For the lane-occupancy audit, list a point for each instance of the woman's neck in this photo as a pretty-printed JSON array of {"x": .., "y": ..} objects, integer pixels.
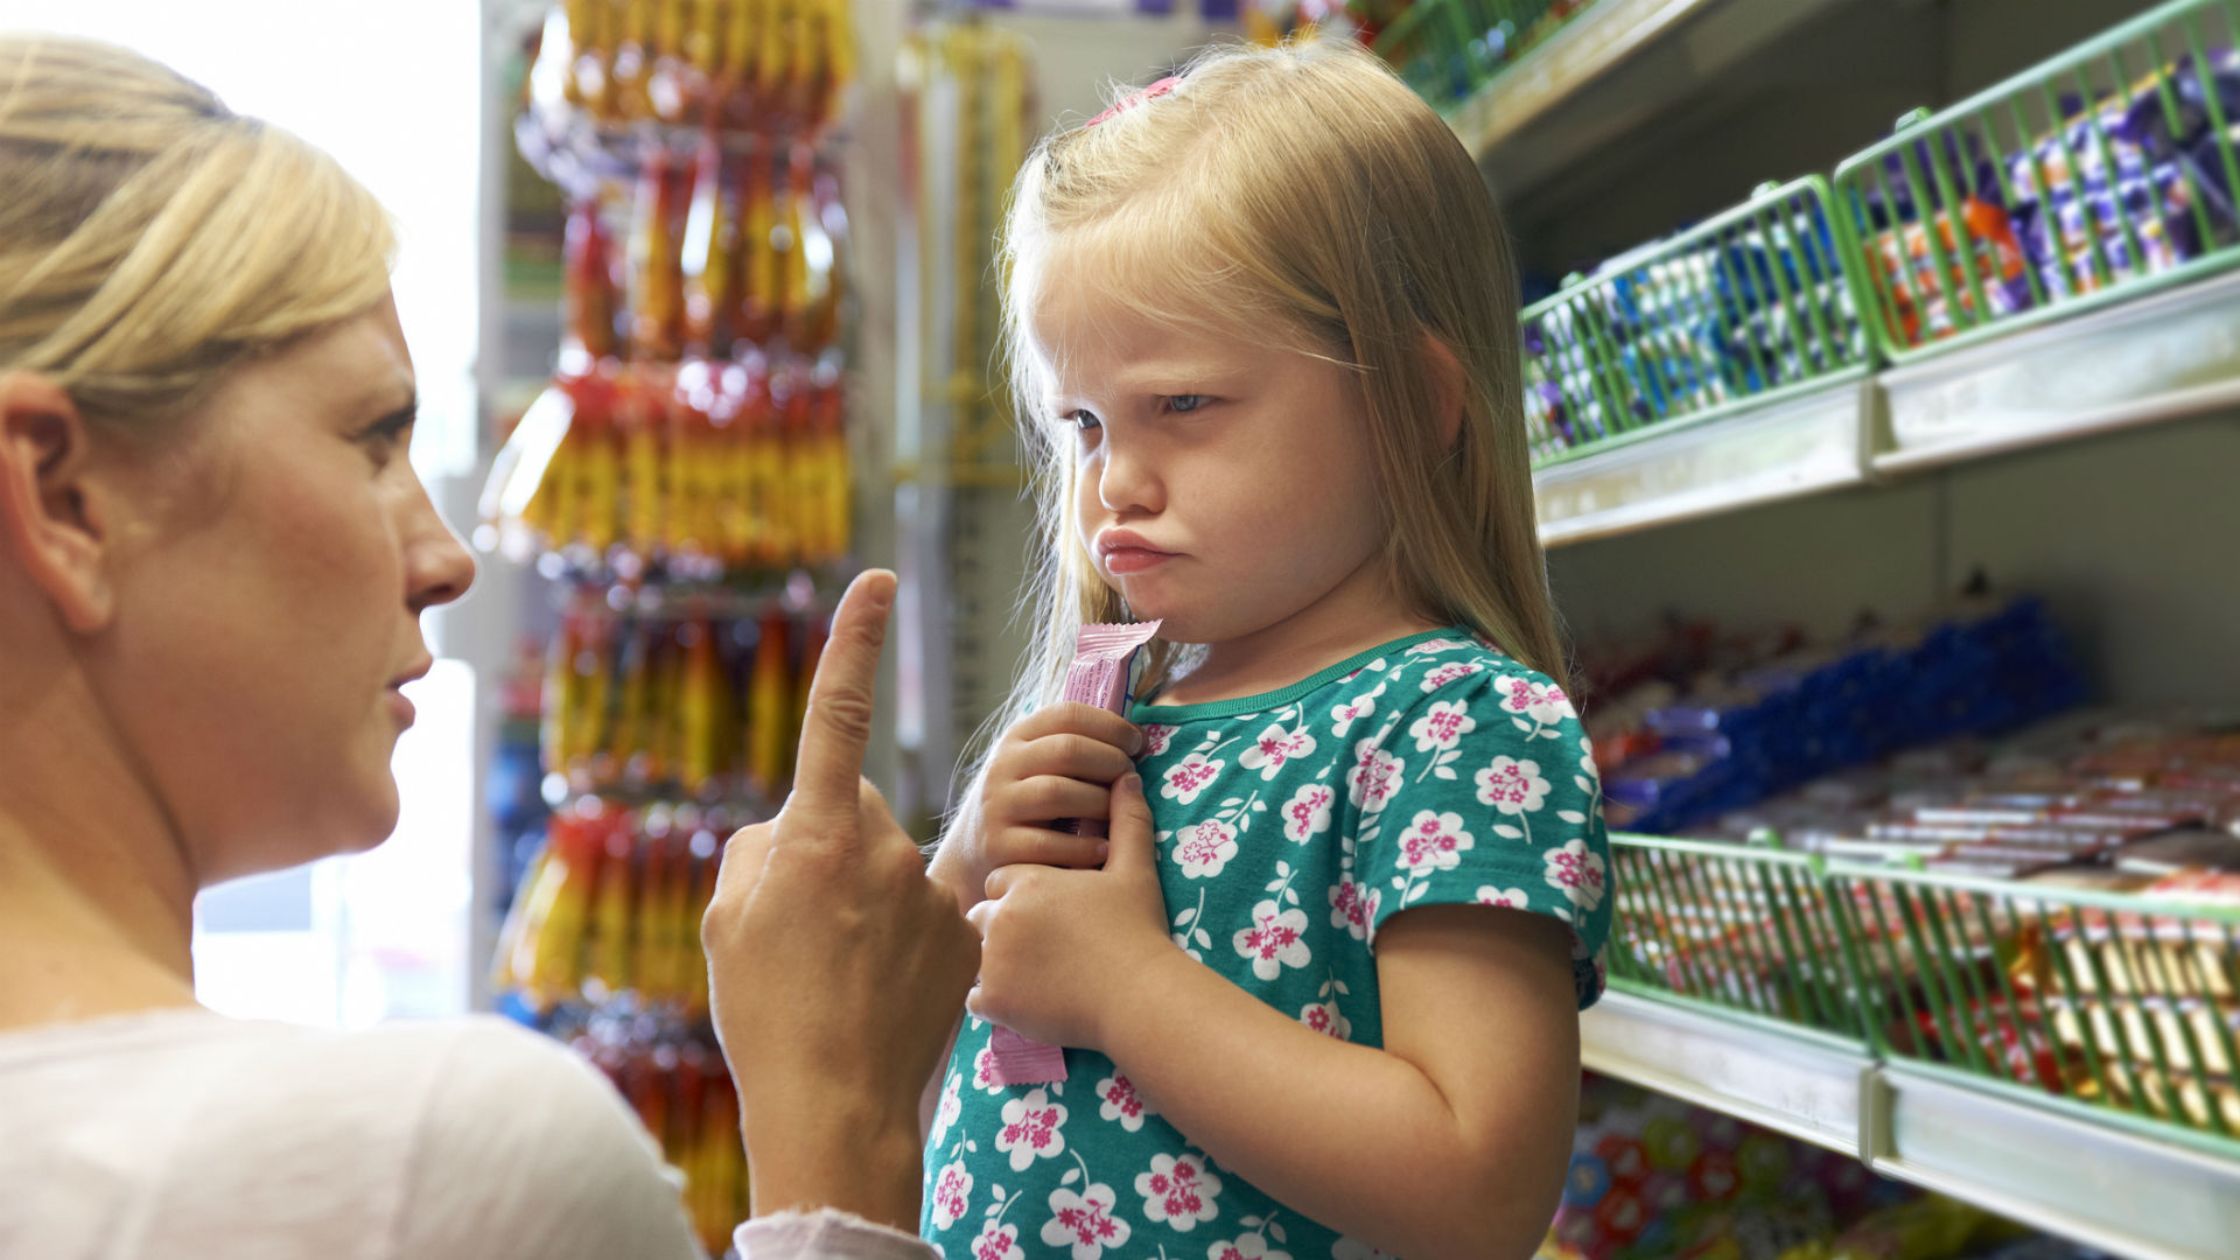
[
  {"x": 1359, "y": 613},
  {"x": 96, "y": 894}
]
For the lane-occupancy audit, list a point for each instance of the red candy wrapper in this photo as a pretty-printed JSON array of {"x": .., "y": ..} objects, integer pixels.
[{"x": 1098, "y": 675}]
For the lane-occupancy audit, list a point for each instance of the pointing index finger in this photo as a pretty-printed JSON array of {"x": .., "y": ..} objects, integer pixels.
[{"x": 837, "y": 726}]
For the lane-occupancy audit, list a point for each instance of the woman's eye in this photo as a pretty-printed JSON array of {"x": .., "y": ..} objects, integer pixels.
[
  {"x": 383, "y": 439},
  {"x": 1184, "y": 404}
]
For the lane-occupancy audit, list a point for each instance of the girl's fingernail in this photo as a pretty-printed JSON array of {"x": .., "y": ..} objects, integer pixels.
[
  {"x": 1132, "y": 782},
  {"x": 1103, "y": 851}
]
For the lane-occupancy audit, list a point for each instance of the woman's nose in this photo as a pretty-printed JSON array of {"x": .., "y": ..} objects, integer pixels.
[{"x": 438, "y": 567}]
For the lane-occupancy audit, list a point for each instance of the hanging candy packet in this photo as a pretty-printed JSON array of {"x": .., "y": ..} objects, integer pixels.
[{"x": 1098, "y": 675}]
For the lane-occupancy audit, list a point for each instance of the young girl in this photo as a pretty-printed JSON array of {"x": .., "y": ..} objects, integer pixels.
[{"x": 1320, "y": 999}]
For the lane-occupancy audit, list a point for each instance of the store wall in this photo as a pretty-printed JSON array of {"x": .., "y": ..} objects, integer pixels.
[{"x": 2134, "y": 540}]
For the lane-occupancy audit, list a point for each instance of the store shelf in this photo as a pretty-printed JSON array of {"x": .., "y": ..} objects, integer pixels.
[
  {"x": 2082, "y": 1178},
  {"x": 2166, "y": 356},
  {"x": 1586, "y": 48},
  {"x": 1785, "y": 449},
  {"x": 2132, "y": 1195},
  {"x": 1792, "y": 1085}
]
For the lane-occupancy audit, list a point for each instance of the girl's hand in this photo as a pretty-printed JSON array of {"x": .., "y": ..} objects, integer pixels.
[
  {"x": 1054, "y": 943},
  {"x": 1054, "y": 764}
]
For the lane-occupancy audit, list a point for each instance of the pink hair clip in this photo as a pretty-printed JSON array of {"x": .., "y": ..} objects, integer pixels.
[{"x": 1156, "y": 90}]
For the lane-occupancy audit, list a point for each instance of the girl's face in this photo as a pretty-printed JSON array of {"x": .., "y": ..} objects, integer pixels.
[
  {"x": 268, "y": 607},
  {"x": 1224, "y": 486}
]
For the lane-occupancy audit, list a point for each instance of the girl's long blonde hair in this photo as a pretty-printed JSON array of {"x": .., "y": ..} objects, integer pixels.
[
  {"x": 1301, "y": 194},
  {"x": 150, "y": 238}
]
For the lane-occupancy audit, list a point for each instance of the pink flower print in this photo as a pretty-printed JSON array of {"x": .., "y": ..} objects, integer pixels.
[
  {"x": 1275, "y": 747},
  {"x": 984, "y": 1071},
  {"x": 1156, "y": 738},
  {"x": 1179, "y": 1191},
  {"x": 1085, "y": 1222},
  {"x": 1442, "y": 726},
  {"x": 952, "y": 1194},
  {"x": 1203, "y": 849},
  {"x": 1032, "y": 1130},
  {"x": 1452, "y": 671},
  {"x": 1343, "y": 716},
  {"x": 1325, "y": 1018},
  {"x": 1577, "y": 872},
  {"x": 952, "y": 1106},
  {"x": 1121, "y": 1102},
  {"x": 1437, "y": 645},
  {"x": 1194, "y": 774},
  {"x": 1307, "y": 814},
  {"x": 1375, "y": 776},
  {"x": 1276, "y": 939},
  {"x": 1512, "y": 786},
  {"x": 1544, "y": 703},
  {"x": 1253, "y": 1246},
  {"x": 1433, "y": 842},
  {"x": 1354, "y": 907},
  {"x": 997, "y": 1242},
  {"x": 1508, "y": 898}
]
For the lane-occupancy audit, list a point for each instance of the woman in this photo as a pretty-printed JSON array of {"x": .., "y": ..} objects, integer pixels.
[{"x": 213, "y": 557}]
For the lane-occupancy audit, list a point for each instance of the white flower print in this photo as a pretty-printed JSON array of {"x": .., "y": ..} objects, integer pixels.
[
  {"x": 1509, "y": 898},
  {"x": 1192, "y": 775},
  {"x": 1343, "y": 716},
  {"x": 1512, "y": 786},
  {"x": 1544, "y": 703},
  {"x": 952, "y": 1106},
  {"x": 1586, "y": 758},
  {"x": 1452, "y": 671},
  {"x": 997, "y": 1242},
  {"x": 1179, "y": 1191},
  {"x": 1275, "y": 747},
  {"x": 1437, "y": 645},
  {"x": 1121, "y": 1102},
  {"x": 1032, "y": 1129},
  {"x": 1375, "y": 776},
  {"x": 1433, "y": 842},
  {"x": 1156, "y": 737},
  {"x": 952, "y": 1194},
  {"x": 1354, "y": 907},
  {"x": 1253, "y": 1246},
  {"x": 1307, "y": 814},
  {"x": 1577, "y": 872},
  {"x": 1442, "y": 726},
  {"x": 1085, "y": 1221},
  {"x": 1276, "y": 939},
  {"x": 1325, "y": 1018},
  {"x": 1203, "y": 849},
  {"x": 984, "y": 1071}
]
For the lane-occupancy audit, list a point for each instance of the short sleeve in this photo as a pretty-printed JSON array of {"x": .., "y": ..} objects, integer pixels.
[{"x": 1481, "y": 790}]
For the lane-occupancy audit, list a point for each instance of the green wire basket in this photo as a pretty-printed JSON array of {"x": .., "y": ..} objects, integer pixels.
[
  {"x": 1448, "y": 49},
  {"x": 1753, "y": 305},
  {"x": 2118, "y": 1007},
  {"x": 1742, "y": 931},
  {"x": 2107, "y": 172}
]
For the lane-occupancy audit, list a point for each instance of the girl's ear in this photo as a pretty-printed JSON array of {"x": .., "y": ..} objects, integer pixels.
[{"x": 1444, "y": 371}]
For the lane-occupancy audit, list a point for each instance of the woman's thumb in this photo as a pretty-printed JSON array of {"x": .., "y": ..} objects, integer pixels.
[{"x": 1130, "y": 833}]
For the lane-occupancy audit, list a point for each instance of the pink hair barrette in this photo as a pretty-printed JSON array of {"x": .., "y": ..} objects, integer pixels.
[{"x": 1133, "y": 99}]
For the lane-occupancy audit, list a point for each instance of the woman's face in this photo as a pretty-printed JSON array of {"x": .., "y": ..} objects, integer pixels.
[{"x": 268, "y": 606}]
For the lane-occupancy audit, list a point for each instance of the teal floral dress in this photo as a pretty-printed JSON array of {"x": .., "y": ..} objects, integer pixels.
[{"x": 1291, "y": 827}]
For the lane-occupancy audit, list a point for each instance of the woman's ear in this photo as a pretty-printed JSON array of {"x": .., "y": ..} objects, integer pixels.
[
  {"x": 52, "y": 523},
  {"x": 1444, "y": 371}
]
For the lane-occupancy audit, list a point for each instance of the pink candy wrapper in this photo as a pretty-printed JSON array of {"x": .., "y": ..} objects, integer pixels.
[{"x": 1098, "y": 676}]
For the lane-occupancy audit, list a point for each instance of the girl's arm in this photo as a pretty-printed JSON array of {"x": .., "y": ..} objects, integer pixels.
[{"x": 1452, "y": 1141}]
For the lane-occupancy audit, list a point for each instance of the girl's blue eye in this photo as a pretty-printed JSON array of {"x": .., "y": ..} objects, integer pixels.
[
  {"x": 1184, "y": 404},
  {"x": 1083, "y": 421}
]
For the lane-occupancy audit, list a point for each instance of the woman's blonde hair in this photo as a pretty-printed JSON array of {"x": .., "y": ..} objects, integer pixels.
[
  {"x": 1301, "y": 194},
  {"x": 150, "y": 238}
]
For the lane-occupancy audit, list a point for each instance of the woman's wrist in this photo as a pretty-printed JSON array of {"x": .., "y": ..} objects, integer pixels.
[{"x": 869, "y": 1168}]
